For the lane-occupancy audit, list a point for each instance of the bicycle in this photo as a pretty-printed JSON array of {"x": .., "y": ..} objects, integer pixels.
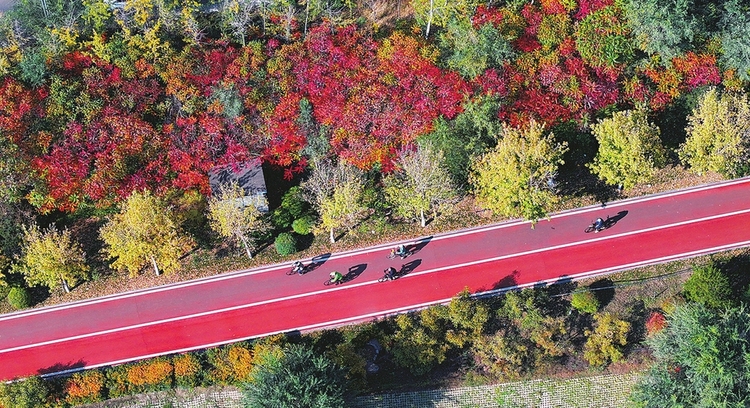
[
  {"x": 403, "y": 255},
  {"x": 332, "y": 281},
  {"x": 592, "y": 227},
  {"x": 388, "y": 275},
  {"x": 298, "y": 268}
]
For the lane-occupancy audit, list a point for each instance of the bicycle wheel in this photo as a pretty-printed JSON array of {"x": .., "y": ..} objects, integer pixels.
[
  {"x": 291, "y": 271},
  {"x": 383, "y": 279},
  {"x": 392, "y": 255},
  {"x": 590, "y": 228},
  {"x": 329, "y": 282}
]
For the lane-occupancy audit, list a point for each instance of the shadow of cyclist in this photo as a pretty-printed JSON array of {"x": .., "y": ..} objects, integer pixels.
[{"x": 611, "y": 221}]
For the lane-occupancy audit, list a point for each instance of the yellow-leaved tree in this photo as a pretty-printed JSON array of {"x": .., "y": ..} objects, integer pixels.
[
  {"x": 719, "y": 135},
  {"x": 232, "y": 217},
  {"x": 629, "y": 149},
  {"x": 420, "y": 184},
  {"x": 516, "y": 178},
  {"x": 50, "y": 257},
  {"x": 336, "y": 192},
  {"x": 144, "y": 233}
]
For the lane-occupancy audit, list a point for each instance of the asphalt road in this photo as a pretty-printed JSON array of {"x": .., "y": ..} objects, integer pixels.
[{"x": 262, "y": 301}]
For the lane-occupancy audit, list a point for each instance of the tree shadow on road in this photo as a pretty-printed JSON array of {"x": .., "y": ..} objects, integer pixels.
[{"x": 60, "y": 367}]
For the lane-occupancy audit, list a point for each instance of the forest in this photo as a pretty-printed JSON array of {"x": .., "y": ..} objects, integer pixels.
[{"x": 114, "y": 113}]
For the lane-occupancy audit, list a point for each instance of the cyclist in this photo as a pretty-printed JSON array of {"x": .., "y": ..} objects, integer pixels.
[
  {"x": 598, "y": 225},
  {"x": 390, "y": 273},
  {"x": 401, "y": 251},
  {"x": 337, "y": 277},
  {"x": 298, "y": 267}
]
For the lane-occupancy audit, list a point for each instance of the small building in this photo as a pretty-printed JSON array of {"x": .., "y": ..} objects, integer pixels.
[{"x": 249, "y": 175}]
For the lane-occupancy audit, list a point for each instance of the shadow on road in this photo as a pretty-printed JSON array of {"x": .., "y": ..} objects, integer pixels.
[
  {"x": 62, "y": 367},
  {"x": 506, "y": 282},
  {"x": 413, "y": 249},
  {"x": 354, "y": 272},
  {"x": 611, "y": 221},
  {"x": 317, "y": 261},
  {"x": 408, "y": 267}
]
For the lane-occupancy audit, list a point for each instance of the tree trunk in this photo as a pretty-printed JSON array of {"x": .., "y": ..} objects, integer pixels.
[
  {"x": 247, "y": 247},
  {"x": 429, "y": 19},
  {"x": 65, "y": 285},
  {"x": 156, "y": 268},
  {"x": 421, "y": 214},
  {"x": 333, "y": 239}
]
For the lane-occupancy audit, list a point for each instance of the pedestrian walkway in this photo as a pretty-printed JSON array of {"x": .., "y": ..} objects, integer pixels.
[{"x": 602, "y": 391}]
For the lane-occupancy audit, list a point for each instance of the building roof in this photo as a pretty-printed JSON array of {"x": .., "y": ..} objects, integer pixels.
[{"x": 249, "y": 175}]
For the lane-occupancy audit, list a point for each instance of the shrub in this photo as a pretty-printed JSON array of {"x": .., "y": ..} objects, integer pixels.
[
  {"x": 85, "y": 387},
  {"x": 298, "y": 377},
  {"x": 19, "y": 298},
  {"x": 655, "y": 323},
  {"x": 29, "y": 393},
  {"x": 187, "y": 370},
  {"x": 285, "y": 244},
  {"x": 231, "y": 364},
  {"x": 604, "y": 343},
  {"x": 304, "y": 225},
  {"x": 151, "y": 375},
  {"x": 294, "y": 202},
  {"x": 709, "y": 286},
  {"x": 585, "y": 301},
  {"x": 281, "y": 218},
  {"x": 117, "y": 382}
]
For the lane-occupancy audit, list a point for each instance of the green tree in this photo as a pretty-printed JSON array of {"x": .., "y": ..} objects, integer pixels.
[
  {"x": 295, "y": 377},
  {"x": 468, "y": 135},
  {"x": 420, "y": 184},
  {"x": 470, "y": 50},
  {"x": 605, "y": 342},
  {"x": 232, "y": 217},
  {"x": 602, "y": 38},
  {"x": 585, "y": 301},
  {"x": 702, "y": 360},
  {"x": 710, "y": 286},
  {"x": 514, "y": 179},
  {"x": 29, "y": 393},
  {"x": 719, "y": 134},
  {"x": 735, "y": 37},
  {"x": 468, "y": 318},
  {"x": 440, "y": 12},
  {"x": 419, "y": 342},
  {"x": 663, "y": 27},
  {"x": 629, "y": 149},
  {"x": 50, "y": 257},
  {"x": 143, "y": 233}
]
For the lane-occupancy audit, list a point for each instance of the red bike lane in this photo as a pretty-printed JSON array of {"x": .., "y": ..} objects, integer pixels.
[{"x": 268, "y": 301}]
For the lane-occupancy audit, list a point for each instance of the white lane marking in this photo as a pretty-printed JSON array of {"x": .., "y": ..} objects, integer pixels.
[
  {"x": 377, "y": 248},
  {"x": 363, "y": 317},
  {"x": 356, "y": 285}
]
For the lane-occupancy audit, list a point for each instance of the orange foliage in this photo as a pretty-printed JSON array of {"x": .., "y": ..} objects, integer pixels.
[
  {"x": 231, "y": 364},
  {"x": 84, "y": 387},
  {"x": 186, "y": 369},
  {"x": 151, "y": 374}
]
